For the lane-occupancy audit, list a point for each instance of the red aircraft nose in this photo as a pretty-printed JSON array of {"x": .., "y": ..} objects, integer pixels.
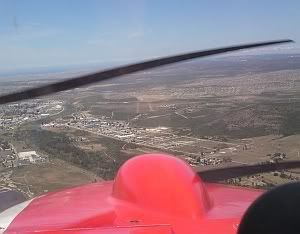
[
  {"x": 163, "y": 183},
  {"x": 151, "y": 194}
]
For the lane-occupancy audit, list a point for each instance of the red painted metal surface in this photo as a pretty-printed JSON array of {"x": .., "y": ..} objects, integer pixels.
[{"x": 150, "y": 194}]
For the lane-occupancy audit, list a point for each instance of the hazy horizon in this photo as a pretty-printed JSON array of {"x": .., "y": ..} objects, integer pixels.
[
  {"x": 72, "y": 70},
  {"x": 57, "y": 33}
]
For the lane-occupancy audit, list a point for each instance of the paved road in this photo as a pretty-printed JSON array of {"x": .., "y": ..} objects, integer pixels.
[{"x": 9, "y": 198}]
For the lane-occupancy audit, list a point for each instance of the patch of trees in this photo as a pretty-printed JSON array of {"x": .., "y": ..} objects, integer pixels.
[
  {"x": 291, "y": 124},
  {"x": 61, "y": 146}
]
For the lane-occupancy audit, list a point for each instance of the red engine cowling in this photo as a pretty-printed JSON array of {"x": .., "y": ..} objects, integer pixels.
[{"x": 162, "y": 183}]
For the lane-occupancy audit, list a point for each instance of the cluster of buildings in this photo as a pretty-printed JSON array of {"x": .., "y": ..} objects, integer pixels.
[
  {"x": 254, "y": 181},
  {"x": 160, "y": 137},
  {"x": 12, "y": 115},
  {"x": 204, "y": 161},
  {"x": 276, "y": 157},
  {"x": 10, "y": 158},
  {"x": 30, "y": 157}
]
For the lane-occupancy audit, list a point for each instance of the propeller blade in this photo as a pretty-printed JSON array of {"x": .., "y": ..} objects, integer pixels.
[
  {"x": 123, "y": 70},
  {"x": 219, "y": 174}
]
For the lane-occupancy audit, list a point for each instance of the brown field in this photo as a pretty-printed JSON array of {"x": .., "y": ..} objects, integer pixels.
[
  {"x": 259, "y": 147},
  {"x": 52, "y": 176},
  {"x": 92, "y": 147}
]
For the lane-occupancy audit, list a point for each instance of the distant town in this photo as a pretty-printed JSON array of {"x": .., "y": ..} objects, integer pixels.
[
  {"x": 159, "y": 137},
  {"x": 13, "y": 115}
]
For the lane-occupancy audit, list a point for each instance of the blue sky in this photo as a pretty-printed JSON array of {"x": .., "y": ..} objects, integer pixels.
[{"x": 36, "y": 33}]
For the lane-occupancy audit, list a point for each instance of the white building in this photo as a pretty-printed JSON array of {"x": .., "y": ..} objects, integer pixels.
[{"x": 32, "y": 156}]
